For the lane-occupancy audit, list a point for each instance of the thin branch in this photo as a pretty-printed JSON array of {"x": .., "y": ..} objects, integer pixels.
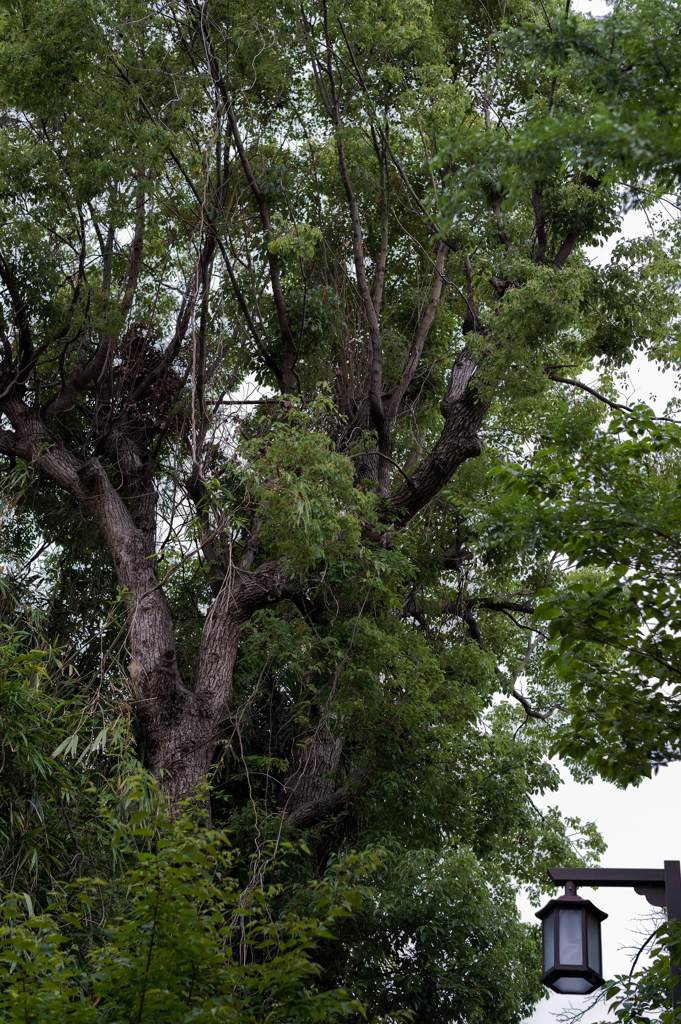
[
  {"x": 532, "y": 712},
  {"x": 421, "y": 334},
  {"x": 363, "y": 455},
  {"x": 539, "y": 225},
  {"x": 591, "y": 391}
]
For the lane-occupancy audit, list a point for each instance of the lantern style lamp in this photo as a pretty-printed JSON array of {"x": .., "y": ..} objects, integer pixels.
[{"x": 571, "y": 943}]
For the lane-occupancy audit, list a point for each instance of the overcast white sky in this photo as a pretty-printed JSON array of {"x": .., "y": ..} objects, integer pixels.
[{"x": 642, "y": 826}]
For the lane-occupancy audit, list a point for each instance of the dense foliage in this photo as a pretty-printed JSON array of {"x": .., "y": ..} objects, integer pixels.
[{"x": 317, "y": 546}]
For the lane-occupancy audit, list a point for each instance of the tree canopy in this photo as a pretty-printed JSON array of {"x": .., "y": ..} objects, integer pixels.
[{"x": 317, "y": 544}]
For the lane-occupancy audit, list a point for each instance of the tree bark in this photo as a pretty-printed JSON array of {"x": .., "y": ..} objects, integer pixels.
[
  {"x": 464, "y": 411},
  {"x": 176, "y": 723},
  {"x": 315, "y": 757},
  {"x": 180, "y": 724}
]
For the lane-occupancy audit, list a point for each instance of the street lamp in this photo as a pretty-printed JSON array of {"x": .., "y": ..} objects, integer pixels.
[
  {"x": 571, "y": 926},
  {"x": 571, "y": 943}
]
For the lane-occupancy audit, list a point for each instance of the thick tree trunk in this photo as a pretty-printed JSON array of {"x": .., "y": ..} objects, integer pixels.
[
  {"x": 315, "y": 757},
  {"x": 176, "y": 725},
  {"x": 186, "y": 726},
  {"x": 464, "y": 412},
  {"x": 181, "y": 726}
]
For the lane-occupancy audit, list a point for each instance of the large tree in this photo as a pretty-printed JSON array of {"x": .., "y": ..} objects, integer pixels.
[
  {"x": 193, "y": 195},
  {"x": 280, "y": 287}
]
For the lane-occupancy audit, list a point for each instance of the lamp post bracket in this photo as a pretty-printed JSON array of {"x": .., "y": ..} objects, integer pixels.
[{"x": 610, "y": 877}]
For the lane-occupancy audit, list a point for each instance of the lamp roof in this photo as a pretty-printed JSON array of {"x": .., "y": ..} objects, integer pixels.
[{"x": 573, "y": 903}]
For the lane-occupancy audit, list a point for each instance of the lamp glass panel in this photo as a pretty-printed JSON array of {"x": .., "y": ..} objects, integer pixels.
[
  {"x": 572, "y": 985},
  {"x": 549, "y": 941},
  {"x": 593, "y": 944},
  {"x": 570, "y": 941}
]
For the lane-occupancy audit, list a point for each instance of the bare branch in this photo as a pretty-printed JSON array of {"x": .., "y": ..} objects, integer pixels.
[
  {"x": 585, "y": 387},
  {"x": 421, "y": 334},
  {"x": 539, "y": 225},
  {"x": 464, "y": 412},
  {"x": 136, "y": 248},
  {"x": 289, "y": 346},
  {"x": 532, "y": 712},
  {"x": 334, "y": 803},
  {"x": 68, "y": 396},
  {"x": 561, "y": 257},
  {"x": 20, "y": 310},
  {"x": 383, "y": 253}
]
